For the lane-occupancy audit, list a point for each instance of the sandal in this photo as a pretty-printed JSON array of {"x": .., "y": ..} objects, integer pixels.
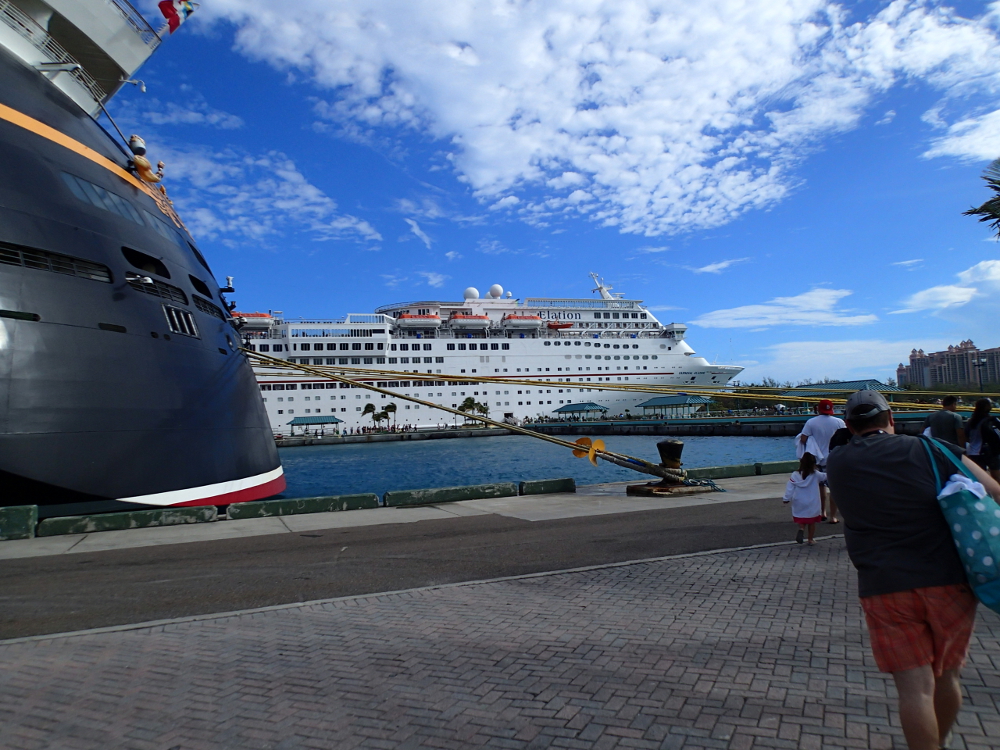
[{"x": 833, "y": 520}]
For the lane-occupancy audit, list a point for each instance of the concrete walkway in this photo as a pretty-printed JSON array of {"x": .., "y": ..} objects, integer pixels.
[
  {"x": 759, "y": 648},
  {"x": 591, "y": 500}
]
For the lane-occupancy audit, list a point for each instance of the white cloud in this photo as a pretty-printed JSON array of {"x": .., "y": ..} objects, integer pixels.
[
  {"x": 425, "y": 208},
  {"x": 420, "y": 233},
  {"x": 452, "y": 255},
  {"x": 238, "y": 197},
  {"x": 433, "y": 279},
  {"x": 937, "y": 298},
  {"x": 718, "y": 267},
  {"x": 194, "y": 111},
  {"x": 492, "y": 247},
  {"x": 814, "y": 308},
  {"x": 846, "y": 360},
  {"x": 647, "y": 116},
  {"x": 984, "y": 271},
  {"x": 651, "y": 249},
  {"x": 887, "y": 117},
  {"x": 972, "y": 139},
  {"x": 985, "y": 275},
  {"x": 909, "y": 265}
]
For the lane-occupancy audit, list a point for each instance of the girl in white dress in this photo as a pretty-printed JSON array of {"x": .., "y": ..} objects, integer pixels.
[{"x": 803, "y": 492}]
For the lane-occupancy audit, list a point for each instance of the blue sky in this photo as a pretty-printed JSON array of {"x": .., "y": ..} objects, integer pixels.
[{"x": 786, "y": 178}]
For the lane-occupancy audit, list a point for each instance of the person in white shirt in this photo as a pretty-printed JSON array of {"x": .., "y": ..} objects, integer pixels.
[
  {"x": 803, "y": 492},
  {"x": 821, "y": 428}
]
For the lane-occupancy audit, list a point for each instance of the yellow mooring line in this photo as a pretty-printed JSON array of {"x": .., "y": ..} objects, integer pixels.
[{"x": 583, "y": 447}]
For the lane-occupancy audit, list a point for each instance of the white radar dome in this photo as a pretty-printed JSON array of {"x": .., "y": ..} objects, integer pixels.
[
  {"x": 496, "y": 291},
  {"x": 509, "y": 295},
  {"x": 471, "y": 293}
]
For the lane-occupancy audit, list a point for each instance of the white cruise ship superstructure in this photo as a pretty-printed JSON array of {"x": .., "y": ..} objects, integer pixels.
[{"x": 565, "y": 347}]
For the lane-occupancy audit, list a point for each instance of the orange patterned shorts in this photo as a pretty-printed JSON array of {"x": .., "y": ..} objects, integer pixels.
[{"x": 910, "y": 629}]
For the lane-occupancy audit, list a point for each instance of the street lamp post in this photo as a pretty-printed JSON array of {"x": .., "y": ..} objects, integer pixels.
[{"x": 979, "y": 363}]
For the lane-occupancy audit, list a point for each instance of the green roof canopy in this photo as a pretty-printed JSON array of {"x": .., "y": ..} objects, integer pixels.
[
  {"x": 571, "y": 408},
  {"x": 680, "y": 400},
  {"x": 314, "y": 420},
  {"x": 842, "y": 388}
]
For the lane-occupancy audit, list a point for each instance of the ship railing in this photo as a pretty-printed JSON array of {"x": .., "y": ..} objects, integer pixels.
[
  {"x": 542, "y": 333},
  {"x": 51, "y": 50},
  {"x": 138, "y": 23}
]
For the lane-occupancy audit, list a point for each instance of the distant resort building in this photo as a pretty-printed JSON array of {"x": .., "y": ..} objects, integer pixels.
[{"x": 961, "y": 365}]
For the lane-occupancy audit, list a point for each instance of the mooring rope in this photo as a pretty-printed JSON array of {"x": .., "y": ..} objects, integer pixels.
[{"x": 593, "y": 449}]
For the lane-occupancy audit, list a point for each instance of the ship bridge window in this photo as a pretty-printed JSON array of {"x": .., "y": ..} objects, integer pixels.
[
  {"x": 505, "y": 347},
  {"x": 103, "y": 199},
  {"x": 642, "y": 316},
  {"x": 461, "y": 347},
  {"x": 404, "y": 347},
  {"x": 146, "y": 263},
  {"x": 495, "y": 347},
  {"x": 427, "y": 347},
  {"x": 344, "y": 347},
  {"x": 200, "y": 286},
  {"x": 450, "y": 347},
  {"x": 17, "y": 255}
]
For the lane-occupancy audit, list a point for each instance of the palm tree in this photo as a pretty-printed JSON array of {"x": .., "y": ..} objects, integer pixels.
[
  {"x": 468, "y": 405},
  {"x": 990, "y": 210},
  {"x": 380, "y": 416},
  {"x": 390, "y": 408},
  {"x": 369, "y": 409},
  {"x": 483, "y": 408}
]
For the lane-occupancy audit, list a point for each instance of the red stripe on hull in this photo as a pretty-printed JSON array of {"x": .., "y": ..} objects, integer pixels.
[{"x": 259, "y": 492}]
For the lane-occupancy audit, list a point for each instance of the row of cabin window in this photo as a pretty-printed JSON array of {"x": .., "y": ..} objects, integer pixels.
[
  {"x": 588, "y": 343},
  {"x": 614, "y": 316},
  {"x": 483, "y": 347}
]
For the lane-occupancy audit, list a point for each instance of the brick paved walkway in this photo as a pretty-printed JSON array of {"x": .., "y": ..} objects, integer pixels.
[{"x": 759, "y": 648}]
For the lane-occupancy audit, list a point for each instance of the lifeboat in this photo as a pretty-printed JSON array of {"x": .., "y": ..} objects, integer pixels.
[
  {"x": 559, "y": 326},
  {"x": 467, "y": 320},
  {"x": 418, "y": 321},
  {"x": 522, "y": 322}
]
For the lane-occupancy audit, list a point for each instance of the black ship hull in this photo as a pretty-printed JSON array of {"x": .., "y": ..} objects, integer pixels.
[{"x": 121, "y": 383}]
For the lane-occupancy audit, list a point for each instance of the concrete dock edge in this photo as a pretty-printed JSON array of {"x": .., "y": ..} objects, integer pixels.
[
  {"x": 450, "y": 494},
  {"x": 297, "y": 505},
  {"x": 18, "y": 522},
  {"x": 547, "y": 486},
  {"x": 136, "y": 519}
]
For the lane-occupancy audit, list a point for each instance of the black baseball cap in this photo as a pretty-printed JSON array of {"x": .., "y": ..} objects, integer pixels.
[{"x": 865, "y": 405}]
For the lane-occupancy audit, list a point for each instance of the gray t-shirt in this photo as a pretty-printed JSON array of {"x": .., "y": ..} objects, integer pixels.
[
  {"x": 944, "y": 425},
  {"x": 896, "y": 535}
]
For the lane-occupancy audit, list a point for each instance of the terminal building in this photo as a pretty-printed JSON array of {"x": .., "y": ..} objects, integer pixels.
[{"x": 960, "y": 365}]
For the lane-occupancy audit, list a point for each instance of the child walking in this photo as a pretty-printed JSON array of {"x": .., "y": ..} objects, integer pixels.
[{"x": 803, "y": 492}]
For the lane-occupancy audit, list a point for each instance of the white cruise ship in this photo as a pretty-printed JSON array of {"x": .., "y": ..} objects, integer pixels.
[{"x": 565, "y": 347}]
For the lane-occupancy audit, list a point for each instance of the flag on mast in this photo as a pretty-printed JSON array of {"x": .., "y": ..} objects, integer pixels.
[{"x": 176, "y": 12}]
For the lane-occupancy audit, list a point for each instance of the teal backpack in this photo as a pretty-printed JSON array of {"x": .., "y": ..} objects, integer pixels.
[{"x": 975, "y": 526}]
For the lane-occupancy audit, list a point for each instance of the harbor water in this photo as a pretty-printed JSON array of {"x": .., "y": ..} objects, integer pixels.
[{"x": 379, "y": 467}]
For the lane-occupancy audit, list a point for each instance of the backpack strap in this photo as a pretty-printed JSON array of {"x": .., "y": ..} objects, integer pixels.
[
  {"x": 962, "y": 468},
  {"x": 930, "y": 455}
]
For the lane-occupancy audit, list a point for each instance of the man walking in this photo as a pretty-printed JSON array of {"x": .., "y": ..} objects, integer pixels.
[
  {"x": 821, "y": 428},
  {"x": 918, "y": 606},
  {"x": 945, "y": 424}
]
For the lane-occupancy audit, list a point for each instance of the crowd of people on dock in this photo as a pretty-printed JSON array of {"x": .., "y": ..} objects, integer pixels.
[{"x": 922, "y": 528}]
